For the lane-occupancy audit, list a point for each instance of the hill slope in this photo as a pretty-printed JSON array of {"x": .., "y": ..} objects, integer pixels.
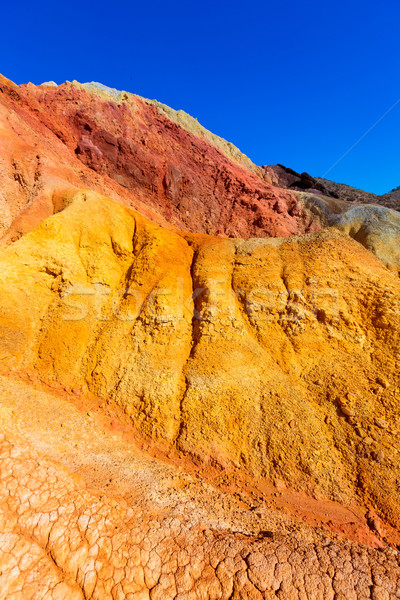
[
  {"x": 186, "y": 415},
  {"x": 135, "y": 152}
]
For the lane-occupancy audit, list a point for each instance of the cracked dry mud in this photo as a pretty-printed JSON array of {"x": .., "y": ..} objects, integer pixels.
[{"x": 64, "y": 537}]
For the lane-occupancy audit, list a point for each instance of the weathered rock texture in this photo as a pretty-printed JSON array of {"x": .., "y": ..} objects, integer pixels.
[
  {"x": 287, "y": 178},
  {"x": 364, "y": 217},
  {"x": 351, "y": 194},
  {"x": 345, "y": 192},
  {"x": 136, "y": 152},
  {"x": 84, "y": 514},
  {"x": 182, "y": 415},
  {"x": 214, "y": 346},
  {"x": 376, "y": 227}
]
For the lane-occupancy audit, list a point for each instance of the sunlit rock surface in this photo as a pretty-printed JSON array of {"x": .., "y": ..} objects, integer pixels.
[
  {"x": 137, "y": 152},
  {"x": 185, "y": 415}
]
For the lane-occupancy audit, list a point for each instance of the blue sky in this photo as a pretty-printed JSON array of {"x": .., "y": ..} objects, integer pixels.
[{"x": 291, "y": 82}]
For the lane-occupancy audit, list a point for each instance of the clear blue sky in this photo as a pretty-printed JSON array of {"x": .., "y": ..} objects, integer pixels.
[{"x": 290, "y": 82}]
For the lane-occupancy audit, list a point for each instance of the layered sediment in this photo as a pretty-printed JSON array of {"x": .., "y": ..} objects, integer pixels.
[{"x": 135, "y": 152}]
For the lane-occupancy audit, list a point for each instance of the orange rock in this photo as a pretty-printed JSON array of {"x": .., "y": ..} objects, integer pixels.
[
  {"x": 209, "y": 344},
  {"x": 155, "y": 381}
]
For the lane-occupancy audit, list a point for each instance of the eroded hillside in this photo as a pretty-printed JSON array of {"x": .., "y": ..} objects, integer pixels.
[
  {"x": 185, "y": 415},
  {"x": 133, "y": 151}
]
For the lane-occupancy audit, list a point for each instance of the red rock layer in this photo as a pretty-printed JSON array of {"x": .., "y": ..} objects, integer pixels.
[{"x": 134, "y": 153}]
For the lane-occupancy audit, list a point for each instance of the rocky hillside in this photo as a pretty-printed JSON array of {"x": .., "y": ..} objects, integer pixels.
[
  {"x": 391, "y": 199},
  {"x": 136, "y": 152},
  {"x": 188, "y": 415},
  {"x": 346, "y": 192},
  {"x": 286, "y": 178}
]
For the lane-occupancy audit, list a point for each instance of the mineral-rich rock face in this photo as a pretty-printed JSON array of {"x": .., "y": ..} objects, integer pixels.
[
  {"x": 222, "y": 350},
  {"x": 365, "y": 217},
  {"x": 137, "y": 153},
  {"x": 183, "y": 415},
  {"x": 375, "y": 227},
  {"x": 262, "y": 360}
]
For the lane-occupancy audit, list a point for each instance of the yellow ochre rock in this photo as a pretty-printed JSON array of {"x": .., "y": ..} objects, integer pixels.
[{"x": 264, "y": 356}]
